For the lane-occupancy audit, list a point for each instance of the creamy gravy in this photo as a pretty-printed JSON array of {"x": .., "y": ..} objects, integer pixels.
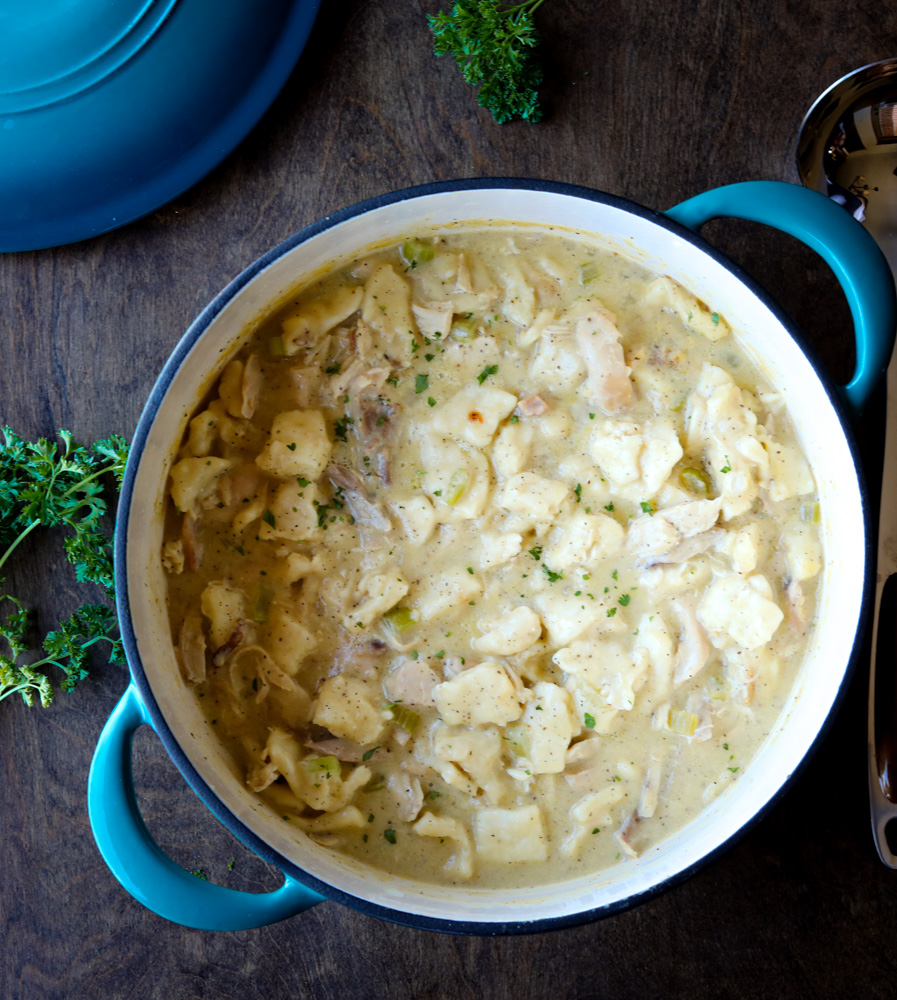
[{"x": 491, "y": 558}]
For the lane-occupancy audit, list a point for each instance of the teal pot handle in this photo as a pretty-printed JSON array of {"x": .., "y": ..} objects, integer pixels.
[
  {"x": 839, "y": 239},
  {"x": 135, "y": 859}
]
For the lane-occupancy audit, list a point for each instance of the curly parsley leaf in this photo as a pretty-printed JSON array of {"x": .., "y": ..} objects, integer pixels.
[
  {"x": 43, "y": 485},
  {"x": 494, "y": 46}
]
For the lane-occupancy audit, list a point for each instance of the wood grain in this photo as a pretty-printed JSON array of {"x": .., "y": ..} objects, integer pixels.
[{"x": 647, "y": 99}]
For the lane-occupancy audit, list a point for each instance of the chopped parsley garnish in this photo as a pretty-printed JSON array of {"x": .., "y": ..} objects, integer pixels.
[
  {"x": 333, "y": 369},
  {"x": 486, "y": 372},
  {"x": 727, "y": 467},
  {"x": 611, "y": 612},
  {"x": 431, "y": 401},
  {"x": 646, "y": 507},
  {"x": 268, "y": 518},
  {"x": 390, "y": 835},
  {"x": 341, "y": 427},
  {"x": 367, "y": 756},
  {"x": 578, "y": 492},
  {"x": 536, "y": 552},
  {"x": 421, "y": 382},
  {"x": 624, "y": 600},
  {"x": 552, "y": 576},
  {"x": 589, "y": 721}
]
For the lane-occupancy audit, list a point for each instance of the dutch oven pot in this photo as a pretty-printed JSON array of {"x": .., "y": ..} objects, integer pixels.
[{"x": 666, "y": 243}]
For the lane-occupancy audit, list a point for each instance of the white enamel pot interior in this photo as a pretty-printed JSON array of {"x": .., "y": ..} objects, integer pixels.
[{"x": 662, "y": 246}]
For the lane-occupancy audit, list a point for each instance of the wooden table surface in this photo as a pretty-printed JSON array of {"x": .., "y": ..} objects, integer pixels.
[{"x": 648, "y": 99}]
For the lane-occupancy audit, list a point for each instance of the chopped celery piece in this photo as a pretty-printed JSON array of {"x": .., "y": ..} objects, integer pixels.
[
  {"x": 518, "y": 740},
  {"x": 465, "y": 328},
  {"x": 405, "y": 717},
  {"x": 401, "y": 619},
  {"x": 457, "y": 485},
  {"x": 809, "y": 512},
  {"x": 716, "y": 689},
  {"x": 588, "y": 272},
  {"x": 416, "y": 252},
  {"x": 275, "y": 346},
  {"x": 317, "y": 766},
  {"x": 684, "y": 723},
  {"x": 696, "y": 481},
  {"x": 262, "y": 605}
]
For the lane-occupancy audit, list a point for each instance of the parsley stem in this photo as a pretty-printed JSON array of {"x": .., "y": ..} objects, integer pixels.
[
  {"x": 88, "y": 479},
  {"x": 533, "y": 6},
  {"x": 19, "y": 687},
  {"x": 15, "y": 542}
]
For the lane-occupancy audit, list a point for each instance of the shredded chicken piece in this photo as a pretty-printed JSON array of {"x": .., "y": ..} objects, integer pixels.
[
  {"x": 694, "y": 647},
  {"x": 608, "y": 382},
  {"x": 688, "y": 548},
  {"x": 263, "y": 775},
  {"x": 412, "y": 683},
  {"x": 627, "y": 831},
  {"x": 361, "y": 341},
  {"x": 251, "y": 386},
  {"x": 452, "y": 666},
  {"x": 796, "y": 603},
  {"x": 192, "y": 649},
  {"x": 409, "y": 796},
  {"x": 221, "y": 654},
  {"x": 359, "y": 659},
  {"x": 523, "y": 694},
  {"x": 651, "y": 789},
  {"x": 435, "y": 319},
  {"x": 192, "y": 547},
  {"x": 580, "y": 754},
  {"x": 265, "y": 669},
  {"x": 342, "y": 749},
  {"x": 364, "y": 511},
  {"x": 373, "y": 415},
  {"x": 339, "y": 383}
]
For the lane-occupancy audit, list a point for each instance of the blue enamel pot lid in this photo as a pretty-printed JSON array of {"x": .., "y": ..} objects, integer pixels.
[{"x": 111, "y": 108}]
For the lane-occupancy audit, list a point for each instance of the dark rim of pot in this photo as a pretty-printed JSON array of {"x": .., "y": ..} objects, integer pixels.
[{"x": 180, "y": 758}]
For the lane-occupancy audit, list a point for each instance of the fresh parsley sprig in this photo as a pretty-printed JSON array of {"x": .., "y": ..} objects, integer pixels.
[
  {"x": 42, "y": 485},
  {"x": 494, "y": 47}
]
